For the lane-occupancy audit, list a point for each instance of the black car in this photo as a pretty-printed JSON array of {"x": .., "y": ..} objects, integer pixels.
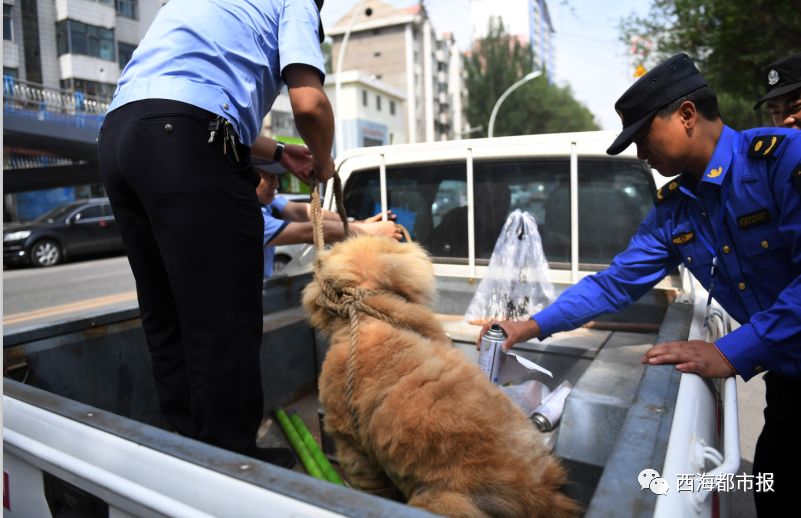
[{"x": 77, "y": 227}]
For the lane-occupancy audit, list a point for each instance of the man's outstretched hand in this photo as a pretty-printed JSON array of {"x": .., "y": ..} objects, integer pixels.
[
  {"x": 697, "y": 356},
  {"x": 516, "y": 331}
]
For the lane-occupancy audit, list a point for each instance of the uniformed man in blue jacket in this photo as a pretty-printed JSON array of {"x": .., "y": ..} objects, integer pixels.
[
  {"x": 783, "y": 96},
  {"x": 733, "y": 217}
]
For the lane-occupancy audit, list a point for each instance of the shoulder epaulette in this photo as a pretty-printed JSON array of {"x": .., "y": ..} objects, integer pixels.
[
  {"x": 666, "y": 191},
  {"x": 764, "y": 146}
]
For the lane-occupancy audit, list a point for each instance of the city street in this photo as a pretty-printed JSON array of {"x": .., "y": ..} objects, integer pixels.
[{"x": 34, "y": 295}]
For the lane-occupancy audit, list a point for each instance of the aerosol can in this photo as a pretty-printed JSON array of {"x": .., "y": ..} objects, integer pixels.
[
  {"x": 491, "y": 353},
  {"x": 548, "y": 414}
]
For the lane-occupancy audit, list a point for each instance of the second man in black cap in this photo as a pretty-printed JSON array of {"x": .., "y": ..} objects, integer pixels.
[
  {"x": 783, "y": 97},
  {"x": 733, "y": 218}
]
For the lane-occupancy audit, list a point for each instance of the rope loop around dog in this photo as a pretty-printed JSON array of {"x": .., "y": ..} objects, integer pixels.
[{"x": 345, "y": 302}]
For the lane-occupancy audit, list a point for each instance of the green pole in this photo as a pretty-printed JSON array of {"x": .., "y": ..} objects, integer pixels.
[
  {"x": 297, "y": 444},
  {"x": 326, "y": 467}
]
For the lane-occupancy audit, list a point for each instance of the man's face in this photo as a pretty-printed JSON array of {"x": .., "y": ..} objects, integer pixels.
[
  {"x": 663, "y": 143},
  {"x": 268, "y": 186},
  {"x": 785, "y": 111}
]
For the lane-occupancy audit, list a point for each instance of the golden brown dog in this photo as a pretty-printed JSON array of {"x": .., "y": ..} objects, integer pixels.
[{"x": 432, "y": 429}]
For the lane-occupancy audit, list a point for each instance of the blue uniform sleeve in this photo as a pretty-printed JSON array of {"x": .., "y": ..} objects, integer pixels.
[
  {"x": 647, "y": 260},
  {"x": 272, "y": 225},
  {"x": 298, "y": 41},
  {"x": 771, "y": 340}
]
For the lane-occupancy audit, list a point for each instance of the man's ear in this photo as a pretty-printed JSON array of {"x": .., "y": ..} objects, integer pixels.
[{"x": 688, "y": 114}]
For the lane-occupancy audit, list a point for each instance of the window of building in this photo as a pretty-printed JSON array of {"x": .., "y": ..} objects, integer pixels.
[
  {"x": 392, "y": 107},
  {"x": 378, "y": 102},
  {"x": 10, "y": 72},
  {"x": 88, "y": 87},
  {"x": 364, "y": 97},
  {"x": 7, "y": 32},
  {"x": 124, "y": 53},
  {"x": 74, "y": 37},
  {"x": 127, "y": 8}
]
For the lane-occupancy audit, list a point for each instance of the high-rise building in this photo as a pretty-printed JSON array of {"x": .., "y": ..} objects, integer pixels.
[
  {"x": 528, "y": 20},
  {"x": 399, "y": 47},
  {"x": 61, "y": 63},
  {"x": 73, "y": 44}
]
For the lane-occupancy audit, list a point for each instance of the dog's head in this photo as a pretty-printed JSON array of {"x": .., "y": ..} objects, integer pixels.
[{"x": 372, "y": 263}]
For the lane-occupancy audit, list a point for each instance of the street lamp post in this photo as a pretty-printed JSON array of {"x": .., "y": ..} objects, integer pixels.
[
  {"x": 527, "y": 77},
  {"x": 337, "y": 86}
]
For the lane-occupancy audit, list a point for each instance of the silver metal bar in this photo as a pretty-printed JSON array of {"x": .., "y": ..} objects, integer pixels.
[
  {"x": 574, "y": 214},
  {"x": 471, "y": 211},
  {"x": 382, "y": 175}
]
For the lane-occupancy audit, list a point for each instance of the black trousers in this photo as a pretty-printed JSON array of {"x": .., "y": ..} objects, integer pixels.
[
  {"x": 192, "y": 229},
  {"x": 778, "y": 450}
]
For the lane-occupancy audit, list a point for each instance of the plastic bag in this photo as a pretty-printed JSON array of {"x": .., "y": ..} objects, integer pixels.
[
  {"x": 527, "y": 396},
  {"x": 517, "y": 283}
]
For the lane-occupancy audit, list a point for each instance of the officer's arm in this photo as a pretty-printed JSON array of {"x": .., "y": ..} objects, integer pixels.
[
  {"x": 771, "y": 340},
  {"x": 314, "y": 117},
  {"x": 647, "y": 260}
]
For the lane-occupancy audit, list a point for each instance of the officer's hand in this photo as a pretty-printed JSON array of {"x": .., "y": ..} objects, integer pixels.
[
  {"x": 324, "y": 168},
  {"x": 377, "y": 217},
  {"x": 516, "y": 331},
  {"x": 702, "y": 358},
  {"x": 298, "y": 161},
  {"x": 378, "y": 228}
]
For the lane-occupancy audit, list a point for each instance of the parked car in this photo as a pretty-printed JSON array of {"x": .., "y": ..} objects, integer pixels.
[
  {"x": 285, "y": 253},
  {"x": 75, "y": 228}
]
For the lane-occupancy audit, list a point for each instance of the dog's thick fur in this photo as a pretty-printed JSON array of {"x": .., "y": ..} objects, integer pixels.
[{"x": 433, "y": 430}]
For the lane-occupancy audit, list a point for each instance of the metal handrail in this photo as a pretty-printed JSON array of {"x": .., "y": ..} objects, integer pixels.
[{"x": 33, "y": 96}]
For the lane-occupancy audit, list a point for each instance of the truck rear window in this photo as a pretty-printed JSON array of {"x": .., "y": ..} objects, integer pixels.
[{"x": 430, "y": 200}]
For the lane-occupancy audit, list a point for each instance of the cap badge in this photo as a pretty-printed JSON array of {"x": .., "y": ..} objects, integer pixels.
[
  {"x": 714, "y": 173},
  {"x": 773, "y": 77}
]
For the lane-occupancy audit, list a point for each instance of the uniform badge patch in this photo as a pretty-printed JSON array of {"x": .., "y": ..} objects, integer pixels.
[
  {"x": 666, "y": 191},
  {"x": 773, "y": 77},
  {"x": 753, "y": 219},
  {"x": 684, "y": 237},
  {"x": 714, "y": 173},
  {"x": 764, "y": 146}
]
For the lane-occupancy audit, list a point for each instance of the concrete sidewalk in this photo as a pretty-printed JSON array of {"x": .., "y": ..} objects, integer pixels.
[{"x": 750, "y": 404}]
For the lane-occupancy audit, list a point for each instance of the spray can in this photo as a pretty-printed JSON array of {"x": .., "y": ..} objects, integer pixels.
[
  {"x": 547, "y": 415},
  {"x": 491, "y": 352}
]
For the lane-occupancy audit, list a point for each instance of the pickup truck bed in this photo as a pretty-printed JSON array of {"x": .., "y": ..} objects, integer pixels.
[{"x": 92, "y": 376}]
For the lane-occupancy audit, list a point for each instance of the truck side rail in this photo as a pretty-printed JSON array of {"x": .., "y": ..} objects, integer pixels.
[{"x": 105, "y": 455}]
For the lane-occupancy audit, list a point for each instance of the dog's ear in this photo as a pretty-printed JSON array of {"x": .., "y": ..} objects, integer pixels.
[
  {"x": 407, "y": 270},
  {"x": 371, "y": 263}
]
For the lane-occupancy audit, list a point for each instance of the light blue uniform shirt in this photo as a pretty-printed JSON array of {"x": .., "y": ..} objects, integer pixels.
[
  {"x": 746, "y": 210},
  {"x": 272, "y": 227},
  {"x": 225, "y": 56}
]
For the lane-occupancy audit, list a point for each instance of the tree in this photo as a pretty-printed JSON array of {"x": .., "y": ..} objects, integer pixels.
[
  {"x": 731, "y": 41},
  {"x": 498, "y": 61}
]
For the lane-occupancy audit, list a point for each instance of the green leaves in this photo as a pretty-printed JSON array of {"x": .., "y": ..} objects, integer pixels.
[
  {"x": 498, "y": 61},
  {"x": 731, "y": 41}
]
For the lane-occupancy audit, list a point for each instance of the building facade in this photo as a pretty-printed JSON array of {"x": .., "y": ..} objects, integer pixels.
[
  {"x": 371, "y": 111},
  {"x": 61, "y": 62},
  {"x": 528, "y": 20},
  {"x": 78, "y": 45},
  {"x": 400, "y": 48}
]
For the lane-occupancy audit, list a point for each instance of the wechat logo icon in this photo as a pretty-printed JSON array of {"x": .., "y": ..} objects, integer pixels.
[{"x": 650, "y": 479}]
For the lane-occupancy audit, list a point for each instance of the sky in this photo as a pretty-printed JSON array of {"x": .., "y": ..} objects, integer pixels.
[{"x": 589, "y": 55}]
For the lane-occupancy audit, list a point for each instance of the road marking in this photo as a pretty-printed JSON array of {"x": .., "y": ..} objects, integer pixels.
[{"x": 69, "y": 308}]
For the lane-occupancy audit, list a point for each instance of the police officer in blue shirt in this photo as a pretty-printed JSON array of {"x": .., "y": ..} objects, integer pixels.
[
  {"x": 174, "y": 154},
  {"x": 733, "y": 218}
]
